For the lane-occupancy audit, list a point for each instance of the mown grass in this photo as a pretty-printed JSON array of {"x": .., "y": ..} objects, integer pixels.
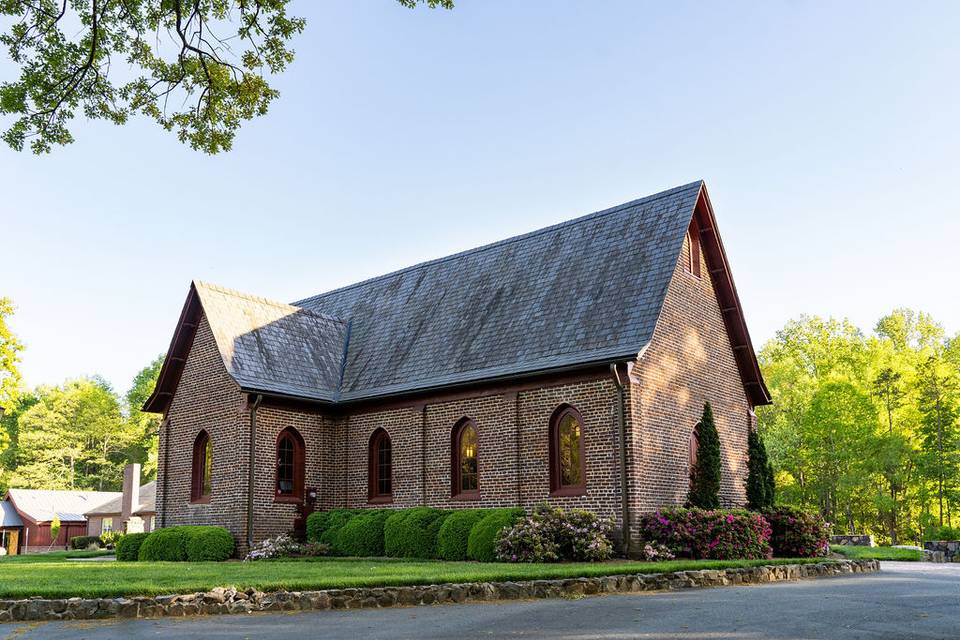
[
  {"x": 58, "y": 577},
  {"x": 876, "y": 553},
  {"x": 55, "y": 556}
]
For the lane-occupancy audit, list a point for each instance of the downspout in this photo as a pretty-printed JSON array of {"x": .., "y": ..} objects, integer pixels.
[
  {"x": 165, "y": 428},
  {"x": 622, "y": 424},
  {"x": 251, "y": 464}
]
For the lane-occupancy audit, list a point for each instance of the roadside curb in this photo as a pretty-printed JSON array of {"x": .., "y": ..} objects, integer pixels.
[{"x": 224, "y": 600}]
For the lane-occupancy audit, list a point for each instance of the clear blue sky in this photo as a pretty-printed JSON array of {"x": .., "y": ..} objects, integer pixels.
[{"x": 827, "y": 133}]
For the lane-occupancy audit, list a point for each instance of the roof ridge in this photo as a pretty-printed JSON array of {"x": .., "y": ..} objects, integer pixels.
[
  {"x": 265, "y": 301},
  {"x": 530, "y": 234}
]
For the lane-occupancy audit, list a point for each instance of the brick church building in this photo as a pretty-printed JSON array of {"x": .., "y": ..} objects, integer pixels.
[{"x": 567, "y": 365}]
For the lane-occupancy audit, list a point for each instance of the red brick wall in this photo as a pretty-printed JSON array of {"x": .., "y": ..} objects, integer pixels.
[
  {"x": 689, "y": 361},
  {"x": 206, "y": 398}
]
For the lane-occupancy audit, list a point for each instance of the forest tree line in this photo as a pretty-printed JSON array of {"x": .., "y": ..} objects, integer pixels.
[
  {"x": 865, "y": 428},
  {"x": 76, "y": 435}
]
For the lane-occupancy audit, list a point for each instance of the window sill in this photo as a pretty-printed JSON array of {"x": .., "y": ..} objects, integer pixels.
[
  {"x": 380, "y": 500},
  {"x": 288, "y": 499},
  {"x": 466, "y": 496},
  {"x": 203, "y": 500},
  {"x": 569, "y": 491}
]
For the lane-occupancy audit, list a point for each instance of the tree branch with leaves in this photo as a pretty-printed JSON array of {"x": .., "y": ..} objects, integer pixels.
[{"x": 198, "y": 68}]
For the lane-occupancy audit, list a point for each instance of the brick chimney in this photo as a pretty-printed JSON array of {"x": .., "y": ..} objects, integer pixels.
[{"x": 131, "y": 491}]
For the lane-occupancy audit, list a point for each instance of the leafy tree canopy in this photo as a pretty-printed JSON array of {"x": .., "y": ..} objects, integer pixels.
[
  {"x": 10, "y": 349},
  {"x": 196, "y": 67}
]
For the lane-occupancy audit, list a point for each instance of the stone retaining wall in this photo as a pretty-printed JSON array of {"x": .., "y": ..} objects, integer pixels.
[
  {"x": 229, "y": 600},
  {"x": 853, "y": 540},
  {"x": 941, "y": 550}
]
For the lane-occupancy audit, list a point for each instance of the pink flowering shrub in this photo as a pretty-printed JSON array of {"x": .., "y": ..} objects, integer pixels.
[
  {"x": 714, "y": 535},
  {"x": 653, "y": 551},
  {"x": 550, "y": 534},
  {"x": 797, "y": 533}
]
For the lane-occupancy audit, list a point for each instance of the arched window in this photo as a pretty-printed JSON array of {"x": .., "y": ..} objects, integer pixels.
[
  {"x": 289, "y": 484},
  {"x": 693, "y": 249},
  {"x": 202, "y": 476},
  {"x": 567, "y": 464},
  {"x": 464, "y": 474},
  {"x": 380, "y": 469}
]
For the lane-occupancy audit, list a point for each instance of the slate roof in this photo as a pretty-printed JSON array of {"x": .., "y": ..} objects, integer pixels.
[
  {"x": 148, "y": 494},
  {"x": 8, "y": 515},
  {"x": 586, "y": 291},
  {"x": 70, "y": 506},
  {"x": 274, "y": 346}
]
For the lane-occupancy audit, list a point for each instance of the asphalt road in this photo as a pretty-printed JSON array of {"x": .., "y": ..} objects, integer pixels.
[{"x": 905, "y": 600}]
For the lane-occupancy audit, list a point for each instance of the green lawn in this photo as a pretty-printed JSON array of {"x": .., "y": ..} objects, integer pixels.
[
  {"x": 876, "y": 553},
  {"x": 55, "y": 576}
]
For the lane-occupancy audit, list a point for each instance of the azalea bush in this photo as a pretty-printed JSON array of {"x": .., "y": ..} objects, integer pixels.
[
  {"x": 655, "y": 551},
  {"x": 709, "y": 534},
  {"x": 550, "y": 534},
  {"x": 284, "y": 546},
  {"x": 798, "y": 533}
]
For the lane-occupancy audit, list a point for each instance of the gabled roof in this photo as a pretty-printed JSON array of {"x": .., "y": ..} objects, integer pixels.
[
  {"x": 41, "y": 505},
  {"x": 148, "y": 494},
  {"x": 583, "y": 292},
  {"x": 8, "y": 515}
]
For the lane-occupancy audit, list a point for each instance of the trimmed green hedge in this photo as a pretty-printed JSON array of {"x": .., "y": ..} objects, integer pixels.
[
  {"x": 323, "y": 526},
  {"x": 168, "y": 544},
  {"x": 420, "y": 532},
  {"x": 455, "y": 531},
  {"x": 82, "y": 542},
  {"x": 128, "y": 546},
  {"x": 412, "y": 533},
  {"x": 362, "y": 535},
  {"x": 481, "y": 545},
  {"x": 209, "y": 544},
  {"x": 194, "y": 543}
]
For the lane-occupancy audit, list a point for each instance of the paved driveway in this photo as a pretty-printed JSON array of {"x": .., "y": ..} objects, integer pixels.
[{"x": 905, "y": 600}]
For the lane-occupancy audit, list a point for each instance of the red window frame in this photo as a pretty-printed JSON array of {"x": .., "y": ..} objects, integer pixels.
[
  {"x": 694, "y": 448},
  {"x": 201, "y": 477},
  {"x": 457, "y": 491},
  {"x": 557, "y": 486},
  {"x": 376, "y": 467},
  {"x": 293, "y": 444}
]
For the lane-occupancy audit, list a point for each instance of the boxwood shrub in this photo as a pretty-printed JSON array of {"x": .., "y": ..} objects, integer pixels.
[
  {"x": 709, "y": 534},
  {"x": 362, "y": 535},
  {"x": 128, "y": 546},
  {"x": 412, "y": 533},
  {"x": 322, "y": 526},
  {"x": 481, "y": 545},
  {"x": 168, "y": 544},
  {"x": 83, "y": 542},
  {"x": 455, "y": 531},
  {"x": 797, "y": 533},
  {"x": 206, "y": 544}
]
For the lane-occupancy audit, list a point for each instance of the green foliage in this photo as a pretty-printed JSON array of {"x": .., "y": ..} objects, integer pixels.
[
  {"x": 705, "y": 476},
  {"x": 866, "y": 429},
  {"x": 362, "y": 535},
  {"x": 145, "y": 426},
  {"x": 169, "y": 544},
  {"x": 412, "y": 533},
  {"x": 877, "y": 553},
  {"x": 323, "y": 526},
  {"x": 54, "y": 528},
  {"x": 81, "y": 543},
  {"x": 127, "y": 547},
  {"x": 10, "y": 348},
  {"x": 205, "y": 544},
  {"x": 193, "y": 543},
  {"x": 760, "y": 481},
  {"x": 203, "y": 82},
  {"x": 481, "y": 545},
  {"x": 455, "y": 532}
]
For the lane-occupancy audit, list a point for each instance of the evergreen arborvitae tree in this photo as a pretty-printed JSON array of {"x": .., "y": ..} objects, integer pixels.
[
  {"x": 771, "y": 482},
  {"x": 705, "y": 479},
  {"x": 760, "y": 487}
]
